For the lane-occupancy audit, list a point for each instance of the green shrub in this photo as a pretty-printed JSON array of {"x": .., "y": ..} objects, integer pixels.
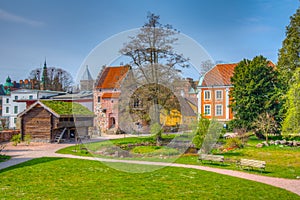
[
  {"x": 16, "y": 139},
  {"x": 232, "y": 143},
  {"x": 27, "y": 139}
]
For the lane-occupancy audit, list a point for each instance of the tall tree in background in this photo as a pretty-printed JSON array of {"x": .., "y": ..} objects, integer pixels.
[
  {"x": 289, "y": 54},
  {"x": 255, "y": 90},
  {"x": 55, "y": 79},
  {"x": 289, "y": 60},
  {"x": 153, "y": 59},
  {"x": 291, "y": 123}
]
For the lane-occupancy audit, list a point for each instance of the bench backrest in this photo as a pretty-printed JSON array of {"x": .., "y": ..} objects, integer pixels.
[
  {"x": 211, "y": 157},
  {"x": 254, "y": 163}
]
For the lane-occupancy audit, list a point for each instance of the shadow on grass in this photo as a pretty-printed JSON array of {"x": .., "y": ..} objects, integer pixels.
[
  {"x": 30, "y": 163},
  {"x": 230, "y": 154},
  {"x": 256, "y": 170},
  {"x": 4, "y": 158},
  {"x": 215, "y": 164}
]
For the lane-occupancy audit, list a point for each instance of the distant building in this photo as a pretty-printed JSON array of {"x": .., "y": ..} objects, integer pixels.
[{"x": 86, "y": 82}]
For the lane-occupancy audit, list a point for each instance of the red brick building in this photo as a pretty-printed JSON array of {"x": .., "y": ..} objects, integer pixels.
[{"x": 106, "y": 97}]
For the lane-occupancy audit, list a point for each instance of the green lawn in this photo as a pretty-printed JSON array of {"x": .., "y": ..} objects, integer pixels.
[
  {"x": 57, "y": 178},
  {"x": 281, "y": 161}
]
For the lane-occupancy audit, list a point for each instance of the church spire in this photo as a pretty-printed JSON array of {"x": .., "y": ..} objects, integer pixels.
[{"x": 44, "y": 82}]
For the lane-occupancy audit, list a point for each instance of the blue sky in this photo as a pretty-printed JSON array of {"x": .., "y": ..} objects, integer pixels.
[{"x": 65, "y": 31}]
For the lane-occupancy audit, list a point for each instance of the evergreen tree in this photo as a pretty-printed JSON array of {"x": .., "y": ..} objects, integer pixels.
[
  {"x": 289, "y": 54},
  {"x": 255, "y": 90},
  {"x": 291, "y": 123}
]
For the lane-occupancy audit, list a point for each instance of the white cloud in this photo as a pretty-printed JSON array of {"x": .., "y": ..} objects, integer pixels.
[{"x": 6, "y": 16}]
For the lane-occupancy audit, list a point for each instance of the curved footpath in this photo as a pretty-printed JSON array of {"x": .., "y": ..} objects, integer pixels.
[{"x": 22, "y": 153}]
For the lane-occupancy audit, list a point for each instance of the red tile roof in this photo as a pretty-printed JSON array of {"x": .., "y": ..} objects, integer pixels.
[
  {"x": 109, "y": 95},
  {"x": 111, "y": 77},
  {"x": 219, "y": 75}
]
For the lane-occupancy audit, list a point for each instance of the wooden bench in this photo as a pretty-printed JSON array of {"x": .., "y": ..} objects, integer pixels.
[
  {"x": 252, "y": 164},
  {"x": 211, "y": 158}
]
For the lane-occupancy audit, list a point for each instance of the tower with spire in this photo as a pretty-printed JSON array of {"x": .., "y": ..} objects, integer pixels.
[
  {"x": 44, "y": 81},
  {"x": 86, "y": 81}
]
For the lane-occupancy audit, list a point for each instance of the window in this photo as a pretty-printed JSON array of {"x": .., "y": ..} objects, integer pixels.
[
  {"x": 136, "y": 103},
  {"x": 99, "y": 99},
  {"x": 219, "y": 94},
  {"x": 15, "y": 120},
  {"x": 30, "y": 97},
  {"x": 206, "y": 109},
  {"x": 16, "y": 109},
  {"x": 207, "y": 95},
  {"x": 7, "y": 100},
  {"x": 219, "y": 110},
  {"x": 16, "y": 97},
  {"x": 7, "y": 109}
]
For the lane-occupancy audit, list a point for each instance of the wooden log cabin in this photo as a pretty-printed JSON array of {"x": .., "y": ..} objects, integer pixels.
[{"x": 49, "y": 121}]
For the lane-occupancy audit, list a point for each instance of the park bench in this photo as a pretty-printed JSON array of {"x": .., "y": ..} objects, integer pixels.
[
  {"x": 252, "y": 164},
  {"x": 211, "y": 158}
]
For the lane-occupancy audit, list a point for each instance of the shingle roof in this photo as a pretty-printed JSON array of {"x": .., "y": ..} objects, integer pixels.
[
  {"x": 111, "y": 77},
  {"x": 218, "y": 75}
]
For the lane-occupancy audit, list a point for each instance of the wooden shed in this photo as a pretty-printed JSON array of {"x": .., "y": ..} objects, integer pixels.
[{"x": 52, "y": 121}]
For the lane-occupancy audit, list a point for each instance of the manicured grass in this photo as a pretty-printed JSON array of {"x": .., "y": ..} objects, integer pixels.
[
  {"x": 57, "y": 178},
  {"x": 4, "y": 158},
  {"x": 281, "y": 161}
]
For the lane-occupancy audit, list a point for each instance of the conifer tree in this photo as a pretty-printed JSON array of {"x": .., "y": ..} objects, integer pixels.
[{"x": 255, "y": 85}]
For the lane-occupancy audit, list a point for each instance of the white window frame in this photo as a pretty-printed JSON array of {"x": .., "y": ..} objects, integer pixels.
[
  {"x": 216, "y": 110},
  {"x": 205, "y": 92},
  {"x": 207, "y": 114},
  {"x": 221, "y": 91}
]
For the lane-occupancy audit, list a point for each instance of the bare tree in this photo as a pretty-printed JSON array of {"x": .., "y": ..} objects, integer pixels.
[
  {"x": 266, "y": 124},
  {"x": 153, "y": 59},
  {"x": 57, "y": 79}
]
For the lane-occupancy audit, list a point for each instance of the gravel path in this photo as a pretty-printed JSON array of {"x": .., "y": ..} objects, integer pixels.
[{"x": 22, "y": 153}]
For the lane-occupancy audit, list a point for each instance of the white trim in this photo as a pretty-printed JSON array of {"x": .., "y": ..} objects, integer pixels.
[
  {"x": 216, "y": 86},
  {"x": 43, "y": 105},
  {"x": 204, "y": 114},
  {"x": 227, "y": 103},
  {"x": 216, "y": 114},
  {"x": 207, "y": 99},
  {"x": 199, "y": 103}
]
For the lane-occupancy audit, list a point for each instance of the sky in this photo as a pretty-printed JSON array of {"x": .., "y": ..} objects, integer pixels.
[{"x": 64, "y": 32}]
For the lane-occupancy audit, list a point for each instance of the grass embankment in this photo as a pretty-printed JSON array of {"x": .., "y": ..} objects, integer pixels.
[
  {"x": 57, "y": 178},
  {"x": 281, "y": 161}
]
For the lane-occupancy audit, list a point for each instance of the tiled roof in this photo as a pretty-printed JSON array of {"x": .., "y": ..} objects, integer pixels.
[
  {"x": 219, "y": 75},
  {"x": 111, "y": 77},
  {"x": 108, "y": 95}
]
